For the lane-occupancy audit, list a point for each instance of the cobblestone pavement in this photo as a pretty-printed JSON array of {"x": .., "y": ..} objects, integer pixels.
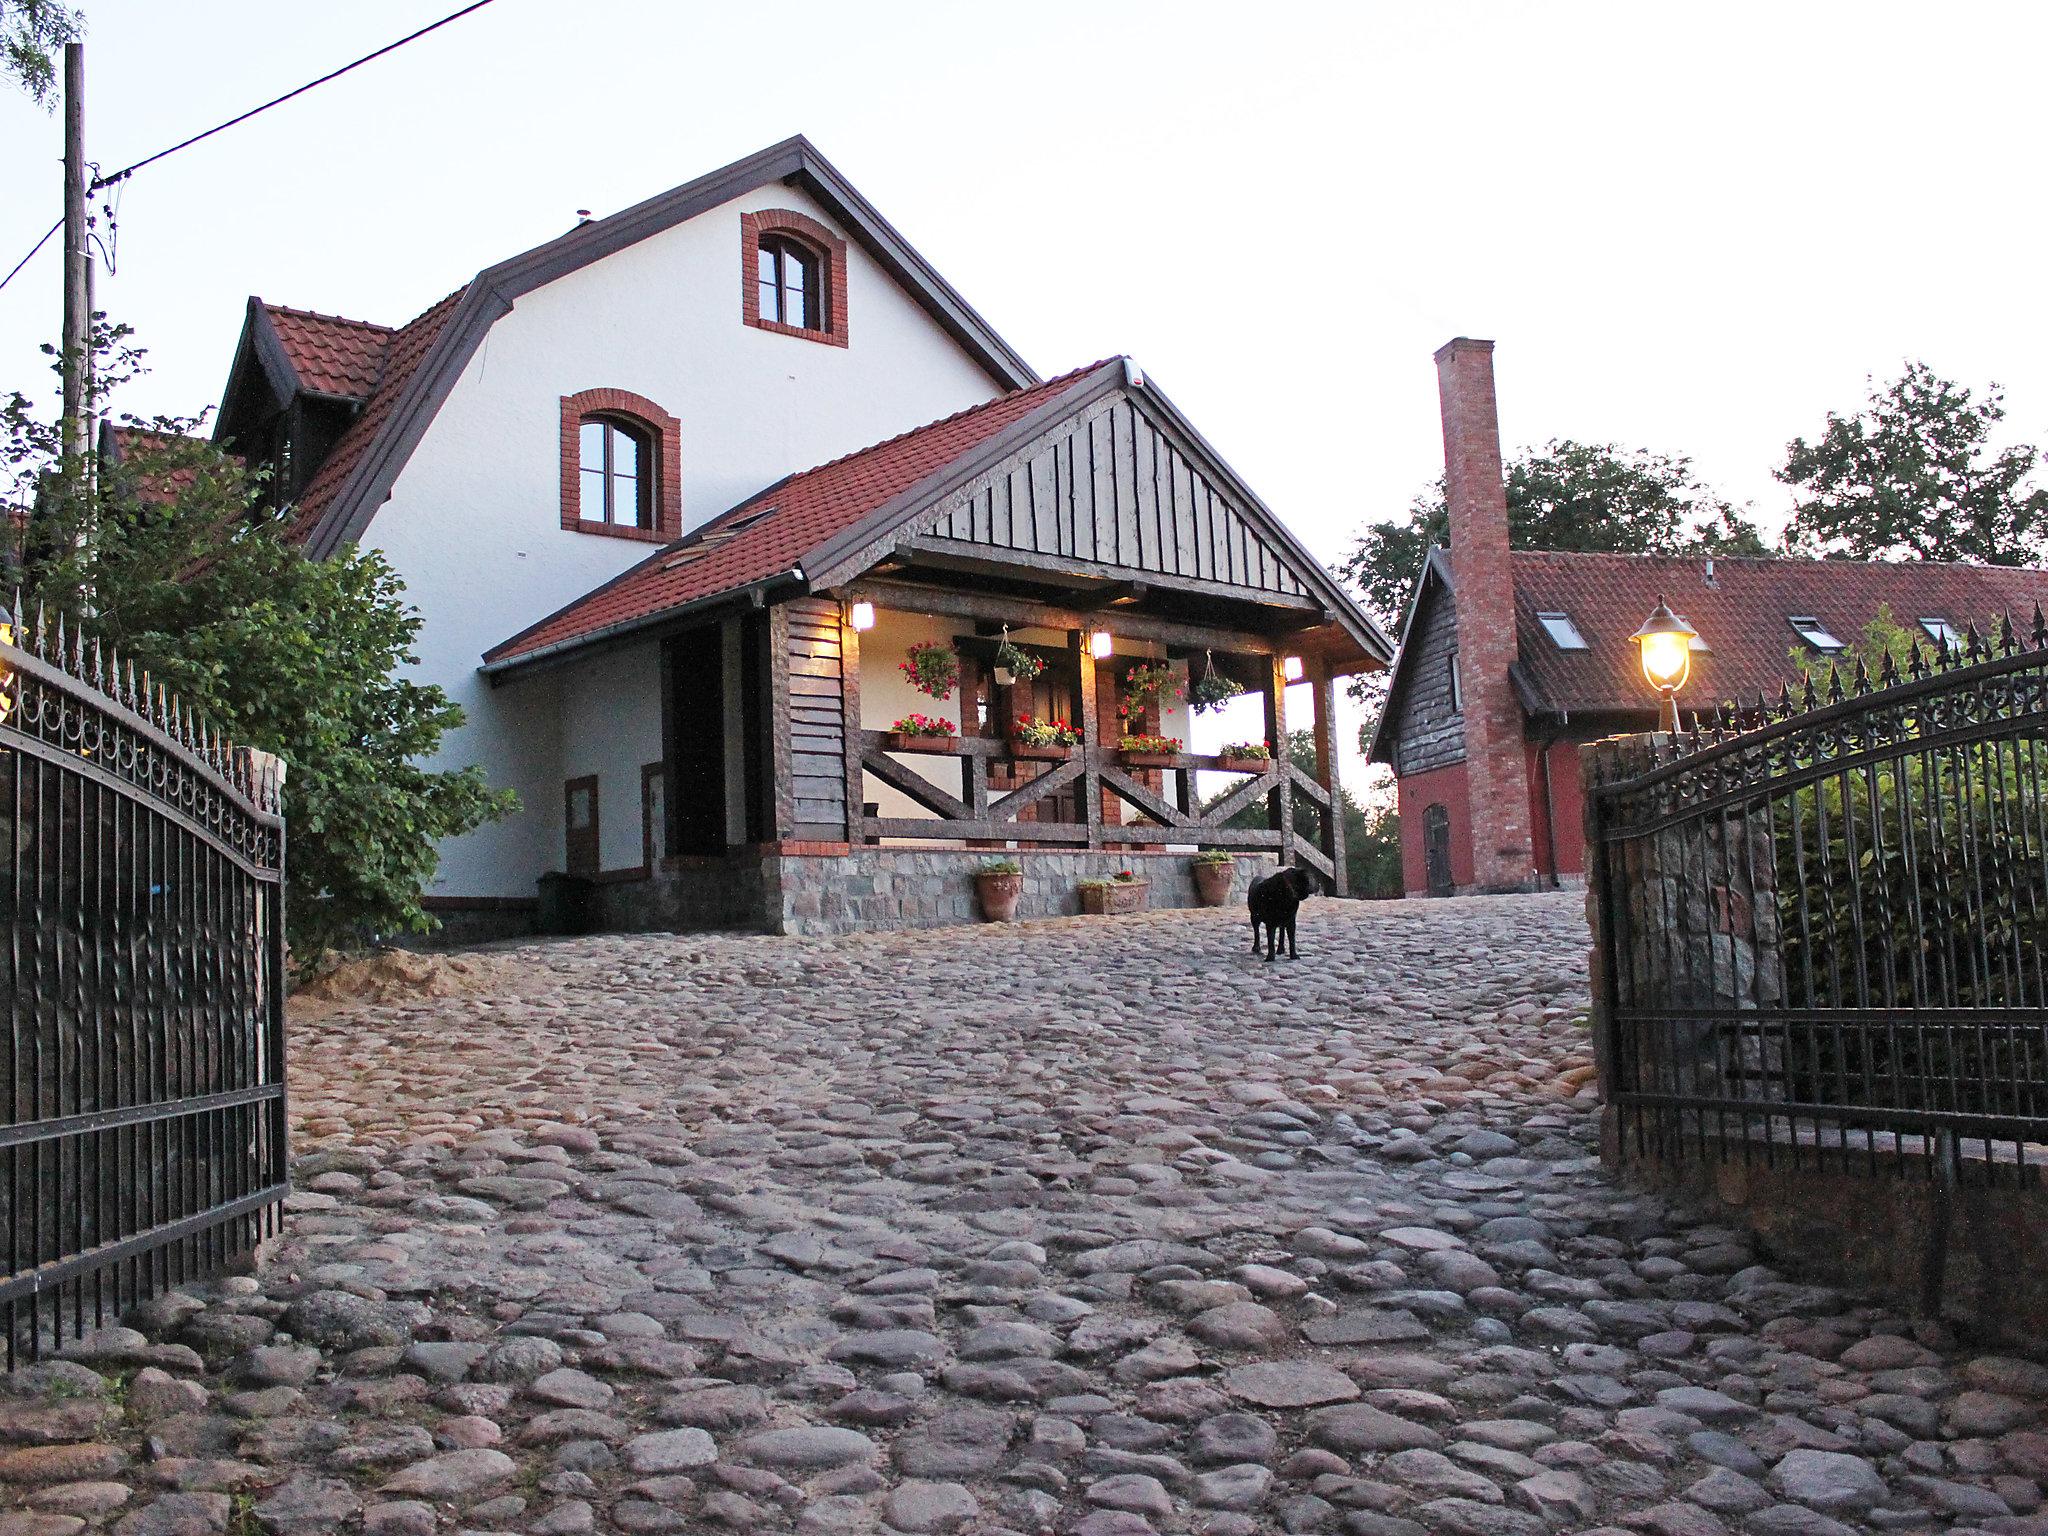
[{"x": 1092, "y": 1226}]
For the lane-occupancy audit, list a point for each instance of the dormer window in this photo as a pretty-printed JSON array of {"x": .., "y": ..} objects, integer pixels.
[
  {"x": 1564, "y": 634},
  {"x": 1815, "y": 633},
  {"x": 615, "y": 480},
  {"x": 788, "y": 277}
]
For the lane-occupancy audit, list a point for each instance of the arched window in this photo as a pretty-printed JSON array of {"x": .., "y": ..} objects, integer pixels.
[
  {"x": 790, "y": 291},
  {"x": 615, "y": 472}
]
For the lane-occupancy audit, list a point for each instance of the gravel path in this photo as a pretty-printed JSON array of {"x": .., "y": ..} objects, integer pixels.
[{"x": 1091, "y": 1226}]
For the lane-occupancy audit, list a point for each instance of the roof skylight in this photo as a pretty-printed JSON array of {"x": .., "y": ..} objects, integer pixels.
[
  {"x": 1815, "y": 633},
  {"x": 1562, "y": 631}
]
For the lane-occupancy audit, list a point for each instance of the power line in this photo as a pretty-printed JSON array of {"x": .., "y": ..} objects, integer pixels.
[
  {"x": 122, "y": 175},
  {"x": 4, "y": 281}
]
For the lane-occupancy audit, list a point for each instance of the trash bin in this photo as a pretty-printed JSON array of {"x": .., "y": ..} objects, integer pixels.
[{"x": 568, "y": 904}]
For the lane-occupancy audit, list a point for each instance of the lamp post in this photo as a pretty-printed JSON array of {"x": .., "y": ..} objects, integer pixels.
[{"x": 1665, "y": 641}]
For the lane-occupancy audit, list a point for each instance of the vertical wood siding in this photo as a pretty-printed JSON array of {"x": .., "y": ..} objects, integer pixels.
[
  {"x": 1429, "y": 733},
  {"x": 817, "y": 713},
  {"x": 1112, "y": 489}
]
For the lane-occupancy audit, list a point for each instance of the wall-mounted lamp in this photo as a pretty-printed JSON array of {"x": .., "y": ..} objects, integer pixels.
[
  {"x": 1101, "y": 644},
  {"x": 1666, "y": 644},
  {"x": 1291, "y": 668},
  {"x": 862, "y": 617}
]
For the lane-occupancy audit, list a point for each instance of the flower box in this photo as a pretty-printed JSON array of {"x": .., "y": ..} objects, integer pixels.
[
  {"x": 905, "y": 741},
  {"x": 1244, "y": 764},
  {"x": 1049, "y": 754},
  {"x": 1148, "y": 759},
  {"x": 1114, "y": 896}
]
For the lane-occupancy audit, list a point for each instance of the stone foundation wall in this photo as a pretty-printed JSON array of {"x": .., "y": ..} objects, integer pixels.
[
  {"x": 868, "y": 888},
  {"x": 1977, "y": 1256}
]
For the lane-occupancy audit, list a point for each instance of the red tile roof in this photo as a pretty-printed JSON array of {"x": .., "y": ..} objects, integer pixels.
[
  {"x": 1743, "y": 615},
  {"x": 407, "y": 347},
  {"x": 798, "y": 514},
  {"x": 126, "y": 440},
  {"x": 333, "y": 355}
]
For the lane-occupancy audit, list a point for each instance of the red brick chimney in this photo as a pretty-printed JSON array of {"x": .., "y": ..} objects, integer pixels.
[{"x": 1497, "y": 773}]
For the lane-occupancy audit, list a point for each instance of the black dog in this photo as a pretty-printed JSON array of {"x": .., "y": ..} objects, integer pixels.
[{"x": 1274, "y": 902}]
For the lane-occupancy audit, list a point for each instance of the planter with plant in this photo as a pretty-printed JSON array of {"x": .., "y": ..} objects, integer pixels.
[
  {"x": 1053, "y": 740},
  {"x": 1214, "y": 869},
  {"x": 1147, "y": 687},
  {"x": 1244, "y": 757},
  {"x": 932, "y": 668},
  {"x": 1014, "y": 664},
  {"x": 1148, "y": 751},
  {"x": 919, "y": 733},
  {"x": 1122, "y": 892},
  {"x": 997, "y": 885}
]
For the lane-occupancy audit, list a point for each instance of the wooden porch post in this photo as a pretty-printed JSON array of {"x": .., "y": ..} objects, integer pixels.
[
  {"x": 850, "y": 727},
  {"x": 1327, "y": 774},
  {"x": 732, "y": 726},
  {"x": 1091, "y": 733},
  {"x": 1279, "y": 803},
  {"x": 781, "y": 762}
]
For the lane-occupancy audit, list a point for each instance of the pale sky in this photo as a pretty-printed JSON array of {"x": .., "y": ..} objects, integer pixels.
[{"x": 1693, "y": 229}]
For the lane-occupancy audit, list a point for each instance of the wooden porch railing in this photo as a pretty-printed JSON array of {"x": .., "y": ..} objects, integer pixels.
[{"x": 976, "y": 815}]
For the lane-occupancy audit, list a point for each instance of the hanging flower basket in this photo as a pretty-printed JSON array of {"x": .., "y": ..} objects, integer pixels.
[
  {"x": 1212, "y": 690},
  {"x": 1149, "y": 751},
  {"x": 1014, "y": 665},
  {"x": 919, "y": 733},
  {"x": 1148, "y": 685},
  {"x": 1048, "y": 740},
  {"x": 932, "y": 668}
]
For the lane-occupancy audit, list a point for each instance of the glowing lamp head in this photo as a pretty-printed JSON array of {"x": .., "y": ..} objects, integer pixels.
[
  {"x": 862, "y": 617},
  {"x": 1291, "y": 668},
  {"x": 1101, "y": 644},
  {"x": 1665, "y": 641}
]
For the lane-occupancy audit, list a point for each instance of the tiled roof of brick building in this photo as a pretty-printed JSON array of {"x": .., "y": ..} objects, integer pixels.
[
  {"x": 774, "y": 530},
  {"x": 331, "y": 354},
  {"x": 120, "y": 443},
  {"x": 404, "y": 350},
  {"x": 1743, "y": 613}
]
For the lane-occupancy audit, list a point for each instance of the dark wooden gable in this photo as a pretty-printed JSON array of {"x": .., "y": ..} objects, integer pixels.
[{"x": 1116, "y": 488}]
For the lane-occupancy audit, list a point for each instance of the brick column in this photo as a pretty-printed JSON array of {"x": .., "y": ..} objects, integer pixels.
[{"x": 1497, "y": 773}]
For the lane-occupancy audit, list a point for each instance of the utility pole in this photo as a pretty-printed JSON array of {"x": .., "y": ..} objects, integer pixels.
[{"x": 77, "y": 303}]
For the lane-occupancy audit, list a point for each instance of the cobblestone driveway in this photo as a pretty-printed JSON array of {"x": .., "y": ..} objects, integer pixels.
[{"x": 1095, "y": 1226}]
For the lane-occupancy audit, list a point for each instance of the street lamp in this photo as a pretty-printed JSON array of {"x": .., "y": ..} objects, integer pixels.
[{"x": 1666, "y": 644}]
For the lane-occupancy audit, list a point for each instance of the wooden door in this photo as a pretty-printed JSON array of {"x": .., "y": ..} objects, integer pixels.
[
  {"x": 1436, "y": 850},
  {"x": 579, "y": 825}
]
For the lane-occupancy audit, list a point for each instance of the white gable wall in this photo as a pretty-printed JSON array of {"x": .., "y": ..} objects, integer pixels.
[{"x": 473, "y": 524}]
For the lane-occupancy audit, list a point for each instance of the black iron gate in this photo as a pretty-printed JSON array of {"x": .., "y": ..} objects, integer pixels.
[
  {"x": 1823, "y": 924},
  {"x": 142, "y": 1142}
]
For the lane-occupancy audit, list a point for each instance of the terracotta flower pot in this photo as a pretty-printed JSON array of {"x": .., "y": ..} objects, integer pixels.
[
  {"x": 1212, "y": 882},
  {"x": 1117, "y": 897},
  {"x": 1053, "y": 754},
  {"x": 1147, "y": 759},
  {"x": 998, "y": 896},
  {"x": 1244, "y": 764},
  {"x": 904, "y": 741}
]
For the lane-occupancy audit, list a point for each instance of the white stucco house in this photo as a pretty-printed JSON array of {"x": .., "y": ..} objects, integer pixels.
[{"x": 653, "y": 483}]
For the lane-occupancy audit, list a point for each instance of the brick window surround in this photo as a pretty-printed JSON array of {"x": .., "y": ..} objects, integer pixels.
[
  {"x": 822, "y": 243},
  {"x": 665, "y": 431}
]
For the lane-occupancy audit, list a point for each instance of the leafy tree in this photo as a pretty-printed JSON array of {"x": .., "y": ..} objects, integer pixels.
[
  {"x": 181, "y": 566},
  {"x": 1913, "y": 476},
  {"x": 1565, "y": 495},
  {"x": 1372, "y": 838},
  {"x": 32, "y": 32}
]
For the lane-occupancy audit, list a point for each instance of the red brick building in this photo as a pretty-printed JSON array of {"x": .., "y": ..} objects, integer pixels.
[{"x": 1510, "y": 659}]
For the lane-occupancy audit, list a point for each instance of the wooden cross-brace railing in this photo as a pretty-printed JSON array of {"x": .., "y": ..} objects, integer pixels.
[{"x": 974, "y": 815}]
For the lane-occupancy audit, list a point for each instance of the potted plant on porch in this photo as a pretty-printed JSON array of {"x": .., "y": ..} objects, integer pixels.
[
  {"x": 1053, "y": 740},
  {"x": 1244, "y": 757},
  {"x": 997, "y": 885},
  {"x": 1214, "y": 869},
  {"x": 919, "y": 733},
  {"x": 1142, "y": 751},
  {"x": 1122, "y": 892}
]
